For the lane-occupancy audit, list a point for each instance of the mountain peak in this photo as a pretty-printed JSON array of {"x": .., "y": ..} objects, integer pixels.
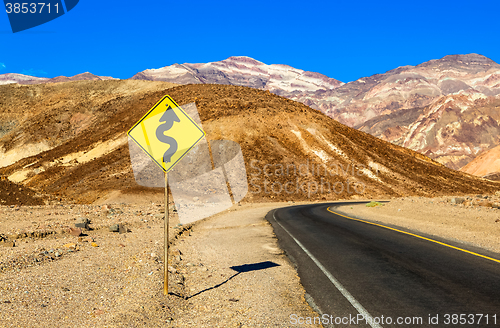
[
  {"x": 244, "y": 59},
  {"x": 469, "y": 59},
  {"x": 468, "y": 62},
  {"x": 244, "y": 71}
]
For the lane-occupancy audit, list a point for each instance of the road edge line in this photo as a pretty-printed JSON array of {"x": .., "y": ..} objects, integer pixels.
[{"x": 361, "y": 310}]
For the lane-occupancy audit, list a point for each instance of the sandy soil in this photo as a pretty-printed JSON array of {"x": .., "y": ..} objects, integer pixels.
[
  {"x": 475, "y": 222},
  {"x": 225, "y": 271},
  {"x": 237, "y": 275}
]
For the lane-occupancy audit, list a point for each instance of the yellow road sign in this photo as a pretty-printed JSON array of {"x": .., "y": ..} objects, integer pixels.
[{"x": 166, "y": 133}]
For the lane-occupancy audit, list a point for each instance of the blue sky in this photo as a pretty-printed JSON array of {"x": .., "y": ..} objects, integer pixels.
[{"x": 344, "y": 40}]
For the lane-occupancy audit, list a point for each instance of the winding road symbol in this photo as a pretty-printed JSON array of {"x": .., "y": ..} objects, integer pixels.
[
  {"x": 166, "y": 133},
  {"x": 169, "y": 118}
]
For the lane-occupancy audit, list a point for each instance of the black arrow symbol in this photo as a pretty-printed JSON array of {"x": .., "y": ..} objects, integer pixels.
[{"x": 169, "y": 117}]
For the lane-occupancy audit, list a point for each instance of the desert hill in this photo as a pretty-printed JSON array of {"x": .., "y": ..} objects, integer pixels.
[
  {"x": 407, "y": 87},
  {"x": 79, "y": 77},
  {"x": 486, "y": 165},
  {"x": 431, "y": 108},
  {"x": 446, "y": 109},
  {"x": 69, "y": 140}
]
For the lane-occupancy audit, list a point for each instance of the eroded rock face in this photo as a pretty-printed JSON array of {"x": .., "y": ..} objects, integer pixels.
[
  {"x": 447, "y": 109},
  {"x": 453, "y": 130}
]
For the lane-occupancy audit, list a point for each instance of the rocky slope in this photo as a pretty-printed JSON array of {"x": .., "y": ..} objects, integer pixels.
[
  {"x": 453, "y": 130},
  {"x": 486, "y": 165},
  {"x": 69, "y": 140},
  {"x": 447, "y": 109}
]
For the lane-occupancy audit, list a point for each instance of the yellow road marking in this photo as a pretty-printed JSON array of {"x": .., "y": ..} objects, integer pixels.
[{"x": 414, "y": 235}]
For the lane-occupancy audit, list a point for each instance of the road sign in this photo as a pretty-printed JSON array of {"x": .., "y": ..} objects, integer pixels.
[{"x": 166, "y": 133}]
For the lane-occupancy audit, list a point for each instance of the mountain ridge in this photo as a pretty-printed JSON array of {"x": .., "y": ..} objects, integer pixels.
[
  {"x": 11, "y": 78},
  {"x": 408, "y": 101},
  {"x": 80, "y": 151},
  {"x": 244, "y": 71}
]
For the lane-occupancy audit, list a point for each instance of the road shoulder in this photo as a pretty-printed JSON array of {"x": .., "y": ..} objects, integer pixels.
[{"x": 236, "y": 275}]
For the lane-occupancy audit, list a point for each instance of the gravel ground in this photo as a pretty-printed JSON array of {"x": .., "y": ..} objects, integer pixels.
[
  {"x": 108, "y": 279},
  {"x": 237, "y": 276},
  {"x": 105, "y": 280},
  {"x": 225, "y": 271}
]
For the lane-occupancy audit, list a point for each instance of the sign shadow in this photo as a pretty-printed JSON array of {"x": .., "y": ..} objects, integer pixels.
[{"x": 239, "y": 269}]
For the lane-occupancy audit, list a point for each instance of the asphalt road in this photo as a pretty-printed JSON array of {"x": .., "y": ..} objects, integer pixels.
[{"x": 354, "y": 270}]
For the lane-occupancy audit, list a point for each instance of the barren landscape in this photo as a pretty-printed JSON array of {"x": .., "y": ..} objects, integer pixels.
[
  {"x": 112, "y": 279},
  {"x": 81, "y": 241},
  {"x": 68, "y": 141},
  {"x": 225, "y": 271},
  {"x": 280, "y": 164}
]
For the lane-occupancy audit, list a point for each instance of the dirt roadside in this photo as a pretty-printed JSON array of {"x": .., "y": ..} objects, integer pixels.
[
  {"x": 237, "y": 276},
  {"x": 225, "y": 271}
]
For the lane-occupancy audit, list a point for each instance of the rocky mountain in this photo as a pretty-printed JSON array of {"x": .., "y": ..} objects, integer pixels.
[
  {"x": 486, "y": 165},
  {"x": 68, "y": 140},
  {"x": 407, "y": 87},
  {"x": 447, "y": 109},
  {"x": 453, "y": 130},
  {"x": 26, "y": 79},
  {"x": 244, "y": 71},
  {"x": 449, "y": 112},
  {"x": 20, "y": 78}
]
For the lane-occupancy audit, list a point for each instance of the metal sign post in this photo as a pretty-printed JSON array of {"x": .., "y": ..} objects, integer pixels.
[{"x": 165, "y": 240}]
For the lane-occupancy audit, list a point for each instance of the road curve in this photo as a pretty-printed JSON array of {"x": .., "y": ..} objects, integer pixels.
[{"x": 365, "y": 275}]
